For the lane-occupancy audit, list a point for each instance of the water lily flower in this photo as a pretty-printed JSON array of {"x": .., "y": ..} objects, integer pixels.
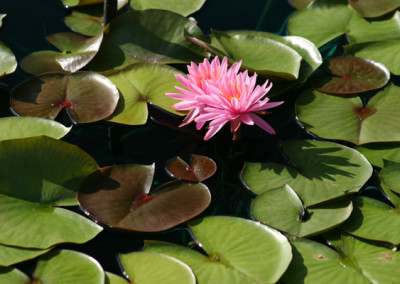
[{"x": 221, "y": 95}]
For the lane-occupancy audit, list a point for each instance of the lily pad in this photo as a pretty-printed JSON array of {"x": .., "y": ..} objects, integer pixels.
[
  {"x": 154, "y": 268},
  {"x": 8, "y": 61},
  {"x": 334, "y": 117},
  {"x": 10, "y": 275},
  {"x": 390, "y": 175},
  {"x": 300, "y": 4},
  {"x": 156, "y": 36},
  {"x": 112, "y": 278},
  {"x": 200, "y": 168},
  {"x": 372, "y": 8},
  {"x": 263, "y": 256},
  {"x": 182, "y": 7},
  {"x": 119, "y": 197},
  {"x": 21, "y": 127},
  {"x": 376, "y": 153},
  {"x": 10, "y": 255},
  {"x": 335, "y": 18},
  {"x": 350, "y": 75},
  {"x": 87, "y": 96},
  {"x": 76, "y": 52},
  {"x": 318, "y": 171},
  {"x": 282, "y": 209},
  {"x": 140, "y": 84},
  {"x": 85, "y": 23},
  {"x": 385, "y": 52},
  {"x": 52, "y": 171}
]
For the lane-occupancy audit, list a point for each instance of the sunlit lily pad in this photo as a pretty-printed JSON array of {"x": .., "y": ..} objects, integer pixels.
[
  {"x": 390, "y": 175},
  {"x": 155, "y": 268},
  {"x": 334, "y": 117},
  {"x": 263, "y": 256},
  {"x": 140, "y": 84},
  {"x": 52, "y": 171},
  {"x": 372, "y": 8},
  {"x": 84, "y": 23},
  {"x": 376, "y": 153},
  {"x": 349, "y": 75},
  {"x": 21, "y": 127},
  {"x": 10, "y": 275},
  {"x": 156, "y": 36},
  {"x": 89, "y": 2},
  {"x": 112, "y": 278},
  {"x": 10, "y": 255},
  {"x": 282, "y": 209},
  {"x": 182, "y": 7},
  {"x": 87, "y": 96},
  {"x": 119, "y": 197},
  {"x": 76, "y": 52},
  {"x": 325, "y": 20},
  {"x": 318, "y": 171},
  {"x": 8, "y": 62},
  {"x": 200, "y": 168}
]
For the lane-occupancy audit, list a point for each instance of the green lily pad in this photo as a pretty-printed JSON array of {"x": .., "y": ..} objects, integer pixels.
[
  {"x": 119, "y": 197},
  {"x": 282, "y": 209},
  {"x": 393, "y": 197},
  {"x": 350, "y": 75},
  {"x": 21, "y": 127},
  {"x": 148, "y": 40},
  {"x": 87, "y": 96},
  {"x": 182, "y": 7},
  {"x": 385, "y": 52},
  {"x": 335, "y": 18},
  {"x": 376, "y": 153},
  {"x": 76, "y": 52},
  {"x": 85, "y": 23},
  {"x": 261, "y": 255},
  {"x": 390, "y": 175},
  {"x": 300, "y": 4},
  {"x": 371, "y": 219},
  {"x": 8, "y": 61},
  {"x": 334, "y": 117},
  {"x": 200, "y": 168},
  {"x": 154, "y": 268},
  {"x": 319, "y": 171},
  {"x": 371, "y": 8},
  {"x": 10, "y": 275},
  {"x": 10, "y": 255},
  {"x": 52, "y": 171},
  {"x": 140, "y": 84},
  {"x": 112, "y": 278}
]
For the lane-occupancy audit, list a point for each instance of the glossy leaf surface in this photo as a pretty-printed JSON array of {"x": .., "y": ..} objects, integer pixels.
[
  {"x": 182, "y": 7},
  {"x": 8, "y": 62},
  {"x": 10, "y": 255},
  {"x": 371, "y": 8},
  {"x": 85, "y": 23},
  {"x": 112, "y": 278},
  {"x": 200, "y": 168}
]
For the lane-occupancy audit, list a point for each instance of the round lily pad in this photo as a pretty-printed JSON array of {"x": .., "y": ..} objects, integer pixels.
[
  {"x": 154, "y": 268},
  {"x": 334, "y": 117},
  {"x": 200, "y": 168},
  {"x": 371, "y": 8},
  {"x": 182, "y": 7},
  {"x": 87, "y": 96},
  {"x": 318, "y": 171},
  {"x": 119, "y": 197},
  {"x": 282, "y": 209},
  {"x": 10, "y": 255},
  {"x": 376, "y": 153},
  {"x": 350, "y": 75}
]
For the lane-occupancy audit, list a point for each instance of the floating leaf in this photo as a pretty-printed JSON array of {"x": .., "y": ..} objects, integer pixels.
[
  {"x": 140, "y": 84},
  {"x": 334, "y": 117},
  {"x": 376, "y": 153},
  {"x": 8, "y": 62},
  {"x": 263, "y": 256},
  {"x": 154, "y": 268},
  {"x": 349, "y": 75},
  {"x": 112, "y": 278},
  {"x": 385, "y": 52},
  {"x": 321, "y": 171},
  {"x": 156, "y": 36},
  {"x": 282, "y": 209},
  {"x": 119, "y": 197},
  {"x": 335, "y": 18},
  {"x": 21, "y": 127},
  {"x": 85, "y": 23},
  {"x": 10, "y": 275},
  {"x": 87, "y": 96},
  {"x": 182, "y": 7},
  {"x": 52, "y": 171},
  {"x": 200, "y": 168},
  {"x": 10, "y": 255},
  {"x": 372, "y": 8},
  {"x": 300, "y": 4},
  {"x": 390, "y": 175}
]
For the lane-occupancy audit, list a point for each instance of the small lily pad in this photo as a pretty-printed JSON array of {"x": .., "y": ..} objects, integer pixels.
[
  {"x": 350, "y": 75},
  {"x": 112, "y": 278},
  {"x": 372, "y": 8},
  {"x": 119, "y": 197},
  {"x": 87, "y": 96},
  {"x": 8, "y": 62},
  {"x": 182, "y": 7},
  {"x": 200, "y": 168},
  {"x": 10, "y": 275}
]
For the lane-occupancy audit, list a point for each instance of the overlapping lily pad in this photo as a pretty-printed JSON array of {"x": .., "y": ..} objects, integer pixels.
[
  {"x": 282, "y": 209},
  {"x": 140, "y": 84},
  {"x": 200, "y": 168},
  {"x": 376, "y": 153},
  {"x": 182, "y": 7},
  {"x": 156, "y": 36},
  {"x": 263, "y": 256},
  {"x": 318, "y": 171},
  {"x": 8, "y": 62},
  {"x": 112, "y": 278},
  {"x": 154, "y": 268},
  {"x": 334, "y": 117},
  {"x": 52, "y": 172},
  {"x": 390, "y": 175},
  {"x": 349, "y": 75},
  {"x": 119, "y": 197},
  {"x": 85, "y": 23},
  {"x": 10, "y": 275},
  {"x": 372, "y": 8},
  {"x": 76, "y": 52},
  {"x": 86, "y": 96},
  {"x": 10, "y": 255},
  {"x": 325, "y": 20}
]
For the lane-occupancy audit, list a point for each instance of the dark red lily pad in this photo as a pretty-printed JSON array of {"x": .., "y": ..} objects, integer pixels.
[
  {"x": 350, "y": 75},
  {"x": 87, "y": 96},
  {"x": 200, "y": 168},
  {"x": 119, "y": 197}
]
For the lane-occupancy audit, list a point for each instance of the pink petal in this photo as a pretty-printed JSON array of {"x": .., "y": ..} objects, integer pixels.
[
  {"x": 211, "y": 132},
  {"x": 262, "y": 123},
  {"x": 190, "y": 117},
  {"x": 246, "y": 118},
  {"x": 235, "y": 124}
]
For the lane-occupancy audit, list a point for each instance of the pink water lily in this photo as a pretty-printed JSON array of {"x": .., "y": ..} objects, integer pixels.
[{"x": 220, "y": 95}]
